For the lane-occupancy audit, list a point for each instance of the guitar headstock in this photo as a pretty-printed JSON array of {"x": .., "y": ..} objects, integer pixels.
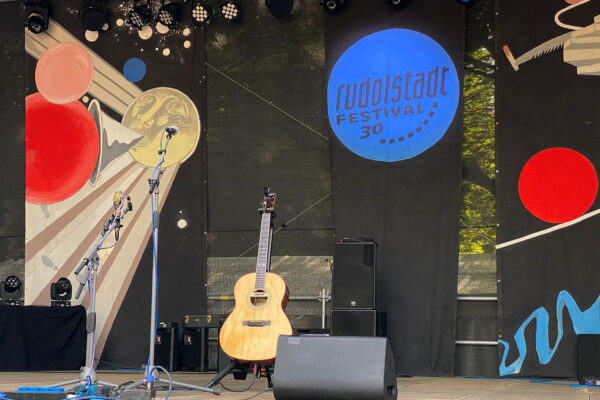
[{"x": 268, "y": 203}]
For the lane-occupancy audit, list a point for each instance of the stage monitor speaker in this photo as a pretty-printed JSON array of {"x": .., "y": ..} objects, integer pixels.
[
  {"x": 358, "y": 323},
  {"x": 334, "y": 368},
  {"x": 354, "y": 274},
  {"x": 588, "y": 359}
]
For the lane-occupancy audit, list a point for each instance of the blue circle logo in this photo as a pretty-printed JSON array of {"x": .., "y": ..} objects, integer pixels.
[{"x": 392, "y": 95}]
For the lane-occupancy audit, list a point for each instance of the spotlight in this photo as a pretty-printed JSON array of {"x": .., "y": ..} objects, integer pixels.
[
  {"x": 10, "y": 291},
  {"x": 93, "y": 14},
  {"x": 201, "y": 12},
  {"x": 231, "y": 10},
  {"x": 332, "y": 5},
  {"x": 140, "y": 15},
  {"x": 280, "y": 8},
  {"x": 169, "y": 14},
  {"x": 395, "y": 3},
  {"x": 61, "y": 292},
  {"x": 36, "y": 12}
]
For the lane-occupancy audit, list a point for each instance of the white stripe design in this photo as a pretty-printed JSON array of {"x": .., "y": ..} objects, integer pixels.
[{"x": 546, "y": 231}]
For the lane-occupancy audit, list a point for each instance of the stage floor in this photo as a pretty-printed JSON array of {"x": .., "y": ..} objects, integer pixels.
[{"x": 415, "y": 388}]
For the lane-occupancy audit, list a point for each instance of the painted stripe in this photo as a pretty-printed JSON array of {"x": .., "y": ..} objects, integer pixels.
[
  {"x": 39, "y": 241},
  {"x": 106, "y": 325},
  {"x": 43, "y": 297},
  {"x": 549, "y": 230}
]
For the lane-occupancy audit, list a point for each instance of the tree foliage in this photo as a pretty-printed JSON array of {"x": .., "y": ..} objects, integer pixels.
[{"x": 478, "y": 227}]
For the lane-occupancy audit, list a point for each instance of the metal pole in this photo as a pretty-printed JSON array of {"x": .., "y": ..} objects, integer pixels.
[
  {"x": 150, "y": 367},
  {"x": 323, "y": 308}
]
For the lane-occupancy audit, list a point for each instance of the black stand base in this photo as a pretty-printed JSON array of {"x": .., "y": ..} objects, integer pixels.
[{"x": 239, "y": 373}]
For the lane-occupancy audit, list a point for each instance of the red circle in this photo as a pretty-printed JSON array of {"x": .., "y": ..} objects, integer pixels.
[
  {"x": 61, "y": 145},
  {"x": 558, "y": 185}
]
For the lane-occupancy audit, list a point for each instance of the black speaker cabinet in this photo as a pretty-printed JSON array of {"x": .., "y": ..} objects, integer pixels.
[
  {"x": 334, "y": 368},
  {"x": 358, "y": 323},
  {"x": 354, "y": 274},
  {"x": 194, "y": 353},
  {"x": 166, "y": 346},
  {"x": 588, "y": 359}
]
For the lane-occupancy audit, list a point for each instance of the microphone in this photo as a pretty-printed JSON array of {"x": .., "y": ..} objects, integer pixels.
[{"x": 172, "y": 130}]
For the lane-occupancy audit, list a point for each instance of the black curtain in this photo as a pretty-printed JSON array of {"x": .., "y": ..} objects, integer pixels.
[
  {"x": 410, "y": 207},
  {"x": 545, "y": 105},
  {"x": 12, "y": 151},
  {"x": 42, "y": 338}
]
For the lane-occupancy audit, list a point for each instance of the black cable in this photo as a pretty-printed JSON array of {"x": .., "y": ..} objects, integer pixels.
[
  {"x": 258, "y": 394},
  {"x": 243, "y": 390}
]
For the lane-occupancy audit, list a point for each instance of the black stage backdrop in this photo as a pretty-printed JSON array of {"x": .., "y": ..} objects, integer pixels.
[
  {"x": 543, "y": 109},
  {"x": 181, "y": 252},
  {"x": 410, "y": 207},
  {"x": 264, "y": 76},
  {"x": 12, "y": 151}
]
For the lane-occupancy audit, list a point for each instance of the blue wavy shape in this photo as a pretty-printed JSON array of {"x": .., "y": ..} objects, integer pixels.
[{"x": 584, "y": 322}]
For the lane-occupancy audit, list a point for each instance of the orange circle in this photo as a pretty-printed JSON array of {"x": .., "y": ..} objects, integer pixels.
[{"x": 64, "y": 73}]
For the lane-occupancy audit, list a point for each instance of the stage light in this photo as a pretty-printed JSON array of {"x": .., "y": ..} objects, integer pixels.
[
  {"x": 36, "y": 14},
  {"x": 169, "y": 13},
  {"x": 231, "y": 10},
  {"x": 201, "y": 12},
  {"x": 10, "y": 291},
  {"x": 140, "y": 15},
  {"x": 61, "y": 292},
  {"x": 280, "y": 8},
  {"x": 333, "y": 5},
  {"x": 395, "y": 3},
  {"x": 93, "y": 14}
]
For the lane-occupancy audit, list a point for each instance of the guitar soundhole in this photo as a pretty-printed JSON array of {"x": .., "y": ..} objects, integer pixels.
[{"x": 258, "y": 298}]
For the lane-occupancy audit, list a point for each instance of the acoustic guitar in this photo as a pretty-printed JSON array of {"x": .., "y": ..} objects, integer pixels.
[{"x": 250, "y": 332}]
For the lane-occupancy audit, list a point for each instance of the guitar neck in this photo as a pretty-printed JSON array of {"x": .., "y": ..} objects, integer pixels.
[{"x": 263, "y": 259}]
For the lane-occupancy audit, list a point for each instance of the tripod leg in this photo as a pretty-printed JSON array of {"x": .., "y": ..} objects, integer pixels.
[
  {"x": 63, "y": 383},
  {"x": 193, "y": 387},
  {"x": 222, "y": 374},
  {"x": 269, "y": 381}
]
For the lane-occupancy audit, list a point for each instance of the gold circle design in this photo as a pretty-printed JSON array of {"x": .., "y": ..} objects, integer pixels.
[{"x": 154, "y": 110}]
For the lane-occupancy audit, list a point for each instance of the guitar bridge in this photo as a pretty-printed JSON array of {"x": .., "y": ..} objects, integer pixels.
[{"x": 256, "y": 323}]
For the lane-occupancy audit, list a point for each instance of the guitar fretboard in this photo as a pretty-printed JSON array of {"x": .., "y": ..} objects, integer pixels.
[{"x": 262, "y": 260}]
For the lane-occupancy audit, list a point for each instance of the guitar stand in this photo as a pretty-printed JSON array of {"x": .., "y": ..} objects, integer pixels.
[
  {"x": 234, "y": 364},
  {"x": 268, "y": 376}
]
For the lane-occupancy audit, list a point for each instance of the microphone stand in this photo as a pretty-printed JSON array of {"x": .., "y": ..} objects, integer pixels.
[
  {"x": 151, "y": 370},
  {"x": 90, "y": 262}
]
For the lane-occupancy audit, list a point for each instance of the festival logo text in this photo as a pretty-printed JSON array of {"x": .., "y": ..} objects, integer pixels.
[{"x": 392, "y": 95}]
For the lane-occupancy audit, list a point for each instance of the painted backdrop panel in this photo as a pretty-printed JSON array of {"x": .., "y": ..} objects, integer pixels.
[
  {"x": 548, "y": 154},
  {"x": 97, "y": 105}
]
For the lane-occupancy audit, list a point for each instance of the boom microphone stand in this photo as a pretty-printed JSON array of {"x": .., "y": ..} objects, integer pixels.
[
  {"x": 88, "y": 374},
  {"x": 151, "y": 373}
]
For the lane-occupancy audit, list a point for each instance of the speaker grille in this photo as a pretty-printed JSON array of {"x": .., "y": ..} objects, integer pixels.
[{"x": 354, "y": 271}]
